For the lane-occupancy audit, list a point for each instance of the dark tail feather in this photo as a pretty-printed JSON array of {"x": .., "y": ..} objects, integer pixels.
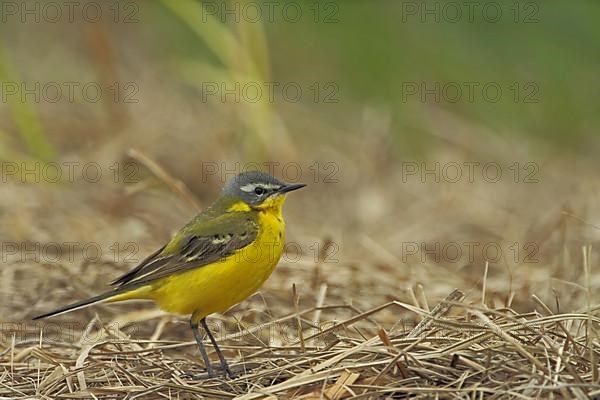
[{"x": 79, "y": 304}]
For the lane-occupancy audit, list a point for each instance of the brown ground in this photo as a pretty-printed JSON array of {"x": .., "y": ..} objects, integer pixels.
[{"x": 367, "y": 274}]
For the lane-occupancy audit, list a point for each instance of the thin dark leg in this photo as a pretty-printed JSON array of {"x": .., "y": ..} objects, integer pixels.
[
  {"x": 224, "y": 364},
  {"x": 209, "y": 370}
]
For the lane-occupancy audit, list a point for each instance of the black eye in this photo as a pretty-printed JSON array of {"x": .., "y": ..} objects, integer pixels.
[{"x": 259, "y": 191}]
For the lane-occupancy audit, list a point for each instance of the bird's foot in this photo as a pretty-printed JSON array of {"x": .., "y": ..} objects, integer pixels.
[{"x": 211, "y": 374}]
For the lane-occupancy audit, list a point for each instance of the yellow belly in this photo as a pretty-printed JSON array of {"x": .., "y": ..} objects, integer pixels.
[{"x": 219, "y": 286}]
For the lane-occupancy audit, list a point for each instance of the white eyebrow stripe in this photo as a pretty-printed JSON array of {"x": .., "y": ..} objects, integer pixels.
[
  {"x": 251, "y": 186},
  {"x": 270, "y": 185},
  {"x": 248, "y": 188}
]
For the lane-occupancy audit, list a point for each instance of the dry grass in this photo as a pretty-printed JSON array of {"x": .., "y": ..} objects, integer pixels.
[
  {"x": 365, "y": 321},
  {"x": 459, "y": 350},
  {"x": 364, "y": 326}
]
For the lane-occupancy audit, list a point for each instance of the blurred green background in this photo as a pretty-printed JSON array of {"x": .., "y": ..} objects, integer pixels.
[{"x": 347, "y": 57}]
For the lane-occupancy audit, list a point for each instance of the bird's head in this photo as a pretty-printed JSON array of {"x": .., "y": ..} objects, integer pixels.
[{"x": 257, "y": 190}]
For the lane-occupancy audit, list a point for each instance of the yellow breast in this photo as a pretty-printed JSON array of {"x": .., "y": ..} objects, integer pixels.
[{"x": 219, "y": 286}]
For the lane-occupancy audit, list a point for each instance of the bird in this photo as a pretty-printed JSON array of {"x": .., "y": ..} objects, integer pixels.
[{"x": 219, "y": 258}]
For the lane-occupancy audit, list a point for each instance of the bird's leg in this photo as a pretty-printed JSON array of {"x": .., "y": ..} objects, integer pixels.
[
  {"x": 224, "y": 364},
  {"x": 194, "y": 326}
]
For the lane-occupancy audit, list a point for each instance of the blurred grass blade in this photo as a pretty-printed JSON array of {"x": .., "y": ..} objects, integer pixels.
[
  {"x": 216, "y": 35},
  {"x": 254, "y": 39},
  {"x": 245, "y": 61},
  {"x": 27, "y": 122}
]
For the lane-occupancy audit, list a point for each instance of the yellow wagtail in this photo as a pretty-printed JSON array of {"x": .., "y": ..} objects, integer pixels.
[{"x": 218, "y": 259}]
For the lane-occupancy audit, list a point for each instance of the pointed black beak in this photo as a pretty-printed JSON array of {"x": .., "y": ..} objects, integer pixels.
[{"x": 289, "y": 187}]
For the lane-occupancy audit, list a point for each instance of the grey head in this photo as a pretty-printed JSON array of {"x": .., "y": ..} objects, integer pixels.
[{"x": 254, "y": 187}]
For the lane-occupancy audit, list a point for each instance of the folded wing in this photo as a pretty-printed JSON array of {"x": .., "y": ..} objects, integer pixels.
[{"x": 198, "y": 244}]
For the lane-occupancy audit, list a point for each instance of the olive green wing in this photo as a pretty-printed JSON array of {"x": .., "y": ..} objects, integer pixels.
[{"x": 201, "y": 242}]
